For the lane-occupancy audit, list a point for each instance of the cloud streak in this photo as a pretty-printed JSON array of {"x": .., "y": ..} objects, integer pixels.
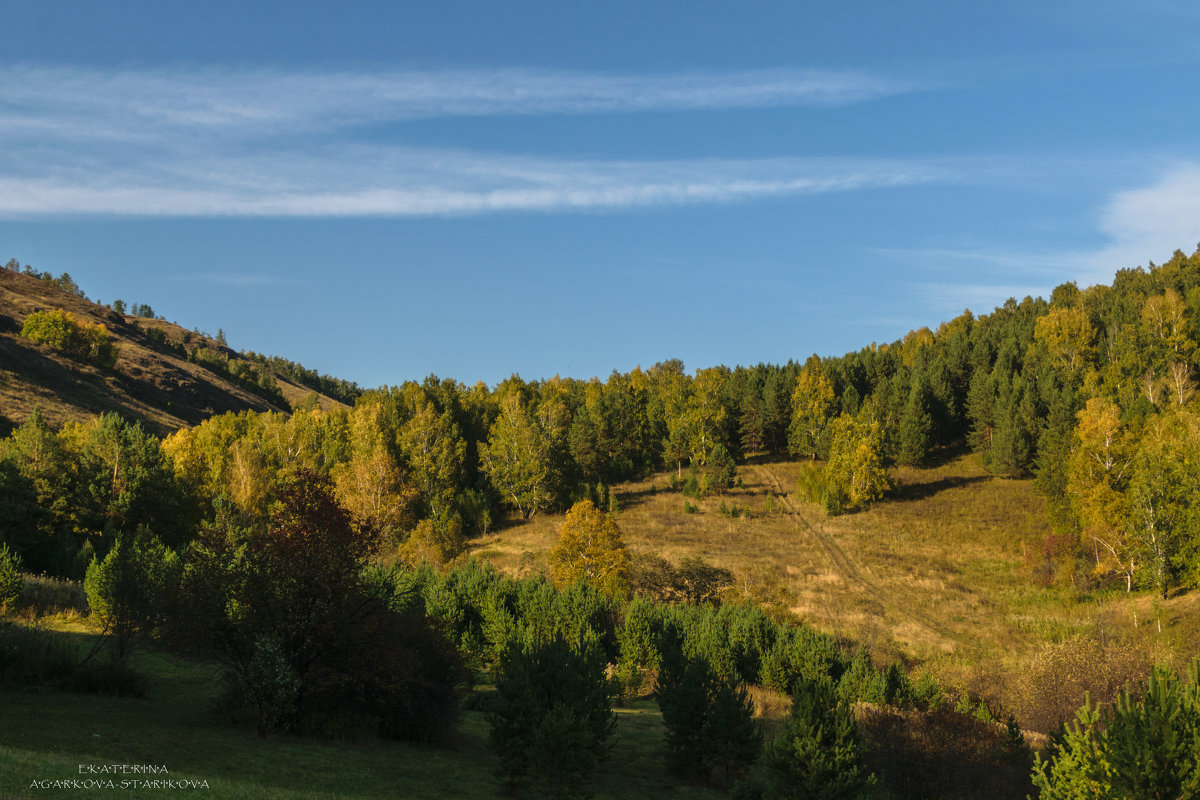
[
  {"x": 1137, "y": 224},
  {"x": 267, "y": 143},
  {"x": 248, "y": 102},
  {"x": 387, "y": 182}
]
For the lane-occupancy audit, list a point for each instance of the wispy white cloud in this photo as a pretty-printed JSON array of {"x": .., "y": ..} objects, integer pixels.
[
  {"x": 416, "y": 183},
  {"x": 269, "y": 143},
  {"x": 119, "y": 103},
  {"x": 1146, "y": 223},
  {"x": 1136, "y": 226}
]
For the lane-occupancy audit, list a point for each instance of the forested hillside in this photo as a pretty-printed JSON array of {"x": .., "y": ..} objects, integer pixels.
[{"x": 1091, "y": 393}]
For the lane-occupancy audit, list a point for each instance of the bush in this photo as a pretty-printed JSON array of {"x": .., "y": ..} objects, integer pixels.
[
  {"x": 73, "y": 337},
  {"x": 34, "y": 657},
  {"x": 941, "y": 753},
  {"x": 44, "y": 595},
  {"x": 11, "y": 582},
  {"x": 127, "y": 590},
  {"x": 108, "y": 677},
  {"x": 1064, "y": 674}
]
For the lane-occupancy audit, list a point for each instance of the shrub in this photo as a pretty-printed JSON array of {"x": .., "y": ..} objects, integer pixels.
[
  {"x": 941, "y": 753},
  {"x": 73, "y": 337},
  {"x": 34, "y": 657},
  {"x": 1062, "y": 675},
  {"x": 44, "y": 595},
  {"x": 11, "y": 582},
  {"x": 127, "y": 590},
  {"x": 434, "y": 542}
]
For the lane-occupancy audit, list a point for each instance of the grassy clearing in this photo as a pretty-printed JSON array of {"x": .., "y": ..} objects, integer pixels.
[
  {"x": 45, "y": 735},
  {"x": 941, "y": 574}
]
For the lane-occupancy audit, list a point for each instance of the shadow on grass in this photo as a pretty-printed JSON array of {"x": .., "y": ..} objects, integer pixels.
[
  {"x": 920, "y": 491},
  {"x": 941, "y": 456},
  {"x": 637, "y": 497}
]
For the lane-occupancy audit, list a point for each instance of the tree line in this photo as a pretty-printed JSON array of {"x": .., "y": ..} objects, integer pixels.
[{"x": 1091, "y": 393}]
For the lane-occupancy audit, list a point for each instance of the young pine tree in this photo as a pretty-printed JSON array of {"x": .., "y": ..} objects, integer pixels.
[
  {"x": 551, "y": 719},
  {"x": 817, "y": 755},
  {"x": 709, "y": 719}
]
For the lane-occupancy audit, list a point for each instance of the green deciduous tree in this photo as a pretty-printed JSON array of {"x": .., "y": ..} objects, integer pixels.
[
  {"x": 855, "y": 472},
  {"x": 1163, "y": 498},
  {"x": 1097, "y": 476},
  {"x": 813, "y": 409},
  {"x": 516, "y": 459},
  {"x": 434, "y": 450},
  {"x": 1068, "y": 337}
]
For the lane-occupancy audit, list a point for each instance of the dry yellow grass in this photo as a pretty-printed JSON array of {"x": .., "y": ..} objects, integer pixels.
[{"x": 936, "y": 574}]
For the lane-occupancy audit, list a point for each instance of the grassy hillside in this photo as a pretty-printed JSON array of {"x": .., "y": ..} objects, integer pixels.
[
  {"x": 176, "y": 726},
  {"x": 153, "y": 381},
  {"x": 945, "y": 574}
]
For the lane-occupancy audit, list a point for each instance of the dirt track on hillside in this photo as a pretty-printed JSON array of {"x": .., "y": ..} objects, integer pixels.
[{"x": 855, "y": 574}]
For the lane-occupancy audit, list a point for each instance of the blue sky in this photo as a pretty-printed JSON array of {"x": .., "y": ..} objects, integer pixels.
[{"x": 387, "y": 190}]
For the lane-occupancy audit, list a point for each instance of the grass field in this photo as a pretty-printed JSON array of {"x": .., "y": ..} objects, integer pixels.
[
  {"x": 48, "y": 735},
  {"x": 942, "y": 574}
]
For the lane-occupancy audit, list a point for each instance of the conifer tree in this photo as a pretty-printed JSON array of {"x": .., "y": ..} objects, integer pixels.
[
  {"x": 916, "y": 426},
  {"x": 551, "y": 719},
  {"x": 817, "y": 755},
  {"x": 709, "y": 719}
]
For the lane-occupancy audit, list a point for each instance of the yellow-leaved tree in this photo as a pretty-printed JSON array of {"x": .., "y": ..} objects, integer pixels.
[
  {"x": 590, "y": 548},
  {"x": 1097, "y": 475},
  {"x": 855, "y": 475},
  {"x": 813, "y": 403},
  {"x": 1068, "y": 337}
]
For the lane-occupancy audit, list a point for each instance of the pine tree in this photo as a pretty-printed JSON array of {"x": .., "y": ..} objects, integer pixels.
[
  {"x": 817, "y": 755},
  {"x": 709, "y": 719},
  {"x": 551, "y": 719},
  {"x": 1143, "y": 749},
  {"x": 916, "y": 426}
]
